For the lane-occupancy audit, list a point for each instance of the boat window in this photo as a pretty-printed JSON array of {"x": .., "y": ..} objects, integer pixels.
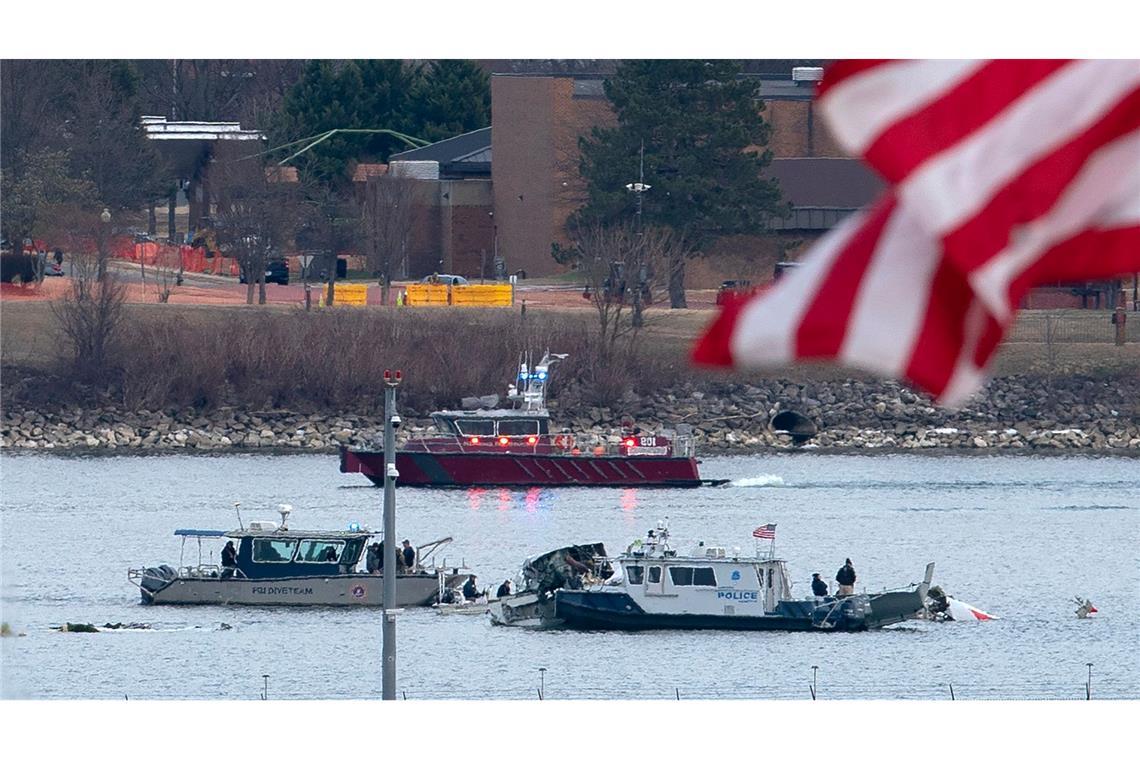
[
  {"x": 704, "y": 576},
  {"x": 476, "y": 427},
  {"x": 518, "y": 427},
  {"x": 655, "y": 574},
  {"x": 273, "y": 549},
  {"x": 313, "y": 550},
  {"x": 635, "y": 575},
  {"x": 682, "y": 576}
]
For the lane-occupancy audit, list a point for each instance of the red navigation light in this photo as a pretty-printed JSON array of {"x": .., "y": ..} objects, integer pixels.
[
  {"x": 630, "y": 442},
  {"x": 399, "y": 375},
  {"x": 387, "y": 375},
  {"x": 532, "y": 440},
  {"x": 474, "y": 439},
  {"x": 503, "y": 440}
]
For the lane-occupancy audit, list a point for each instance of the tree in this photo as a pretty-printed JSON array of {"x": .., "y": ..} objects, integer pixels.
[
  {"x": 388, "y": 223},
  {"x": 35, "y": 192},
  {"x": 108, "y": 145},
  {"x": 624, "y": 268},
  {"x": 703, "y": 136},
  {"x": 91, "y": 312},
  {"x": 256, "y": 215},
  {"x": 331, "y": 223},
  {"x": 348, "y": 95},
  {"x": 451, "y": 97}
]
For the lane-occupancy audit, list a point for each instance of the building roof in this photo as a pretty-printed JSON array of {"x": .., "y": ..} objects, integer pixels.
[
  {"x": 465, "y": 154},
  {"x": 822, "y": 190}
]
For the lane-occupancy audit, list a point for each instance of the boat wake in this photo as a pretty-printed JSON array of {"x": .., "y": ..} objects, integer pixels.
[{"x": 763, "y": 481}]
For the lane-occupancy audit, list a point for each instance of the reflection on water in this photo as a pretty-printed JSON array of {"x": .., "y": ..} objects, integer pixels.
[{"x": 1000, "y": 542}]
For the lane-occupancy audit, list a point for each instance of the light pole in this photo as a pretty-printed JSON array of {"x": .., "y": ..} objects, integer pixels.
[
  {"x": 391, "y": 421},
  {"x": 638, "y": 187},
  {"x": 105, "y": 219}
]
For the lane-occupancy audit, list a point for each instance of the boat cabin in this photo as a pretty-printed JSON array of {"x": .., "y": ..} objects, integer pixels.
[
  {"x": 711, "y": 580},
  {"x": 265, "y": 551},
  {"x": 492, "y": 423}
]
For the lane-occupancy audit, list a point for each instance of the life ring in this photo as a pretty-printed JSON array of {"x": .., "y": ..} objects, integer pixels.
[{"x": 565, "y": 442}]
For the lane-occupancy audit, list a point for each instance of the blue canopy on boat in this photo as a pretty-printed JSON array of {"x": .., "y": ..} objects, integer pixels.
[{"x": 200, "y": 533}]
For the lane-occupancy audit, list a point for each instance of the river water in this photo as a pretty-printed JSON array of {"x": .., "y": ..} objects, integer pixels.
[{"x": 1017, "y": 536}]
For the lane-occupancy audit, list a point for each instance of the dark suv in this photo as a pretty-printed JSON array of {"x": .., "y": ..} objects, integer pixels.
[{"x": 277, "y": 270}]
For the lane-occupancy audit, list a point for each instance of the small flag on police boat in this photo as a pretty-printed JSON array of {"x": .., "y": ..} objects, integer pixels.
[{"x": 765, "y": 531}]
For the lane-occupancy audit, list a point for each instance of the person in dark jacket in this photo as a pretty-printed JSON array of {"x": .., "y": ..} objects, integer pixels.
[
  {"x": 504, "y": 590},
  {"x": 846, "y": 579},
  {"x": 409, "y": 555},
  {"x": 818, "y": 585},
  {"x": 229, "y": 559},
  {"x": 372, "y": 560},
  {"x": 470, "y": 592}
]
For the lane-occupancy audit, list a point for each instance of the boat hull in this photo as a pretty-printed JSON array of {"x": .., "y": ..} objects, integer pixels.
[
  {"x": 465, "y": 469},
  {"x": 612, "y": 611},
  {"x": 336, "y": 591}
]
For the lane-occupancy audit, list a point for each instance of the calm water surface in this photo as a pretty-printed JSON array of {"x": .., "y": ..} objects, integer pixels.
[{"x": 1017, "y": 536}]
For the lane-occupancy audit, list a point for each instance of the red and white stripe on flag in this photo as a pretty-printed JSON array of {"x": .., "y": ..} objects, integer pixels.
[
  {"x": 765, "y": 531},
  {"x": 1004, "y": 174}
]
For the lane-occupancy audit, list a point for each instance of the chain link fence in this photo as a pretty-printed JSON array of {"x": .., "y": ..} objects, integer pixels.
[{"x": 1071, "y": 326}]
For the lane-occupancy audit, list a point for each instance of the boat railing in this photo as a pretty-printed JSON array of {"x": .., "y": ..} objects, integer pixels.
[{"x": 569, "y": 444}]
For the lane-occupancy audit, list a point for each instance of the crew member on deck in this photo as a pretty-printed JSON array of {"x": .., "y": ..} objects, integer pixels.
[
  {"x": 504, "y": 590},
  {"x": 229, "y": 559},
  {"x": 818, "y": 585},
  {"x": 409, "y": 555},
  {"x": 846, "y": 579},
  {"x": 373, "y": 560},
  {"x": 470, "y": 592}
]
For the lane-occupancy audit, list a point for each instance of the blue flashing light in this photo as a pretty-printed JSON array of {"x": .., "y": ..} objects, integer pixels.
[
  {"x": 354, "y": 527},
  {"x": 541, "y": 375}
]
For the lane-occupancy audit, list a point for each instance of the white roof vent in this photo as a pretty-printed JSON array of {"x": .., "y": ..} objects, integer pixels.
[{"x": 807, "y": 74}]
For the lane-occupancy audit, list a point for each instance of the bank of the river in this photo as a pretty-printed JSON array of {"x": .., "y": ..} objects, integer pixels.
[{"x": 1013, "y": 413}]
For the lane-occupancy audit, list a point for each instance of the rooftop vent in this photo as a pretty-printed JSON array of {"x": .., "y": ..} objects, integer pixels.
[{"x": 807, "y": 74}]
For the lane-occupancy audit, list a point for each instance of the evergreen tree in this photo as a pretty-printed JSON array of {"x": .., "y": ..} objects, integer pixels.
[
  {"x": 703, "y": 136},
  {"x": 451, "y": 97}
]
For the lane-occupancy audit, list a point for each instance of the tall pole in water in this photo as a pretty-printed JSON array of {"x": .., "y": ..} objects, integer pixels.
[{"x": 391, "y": 420}]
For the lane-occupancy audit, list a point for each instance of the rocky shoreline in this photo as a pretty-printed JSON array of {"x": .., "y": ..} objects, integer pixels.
[{"x": 1069, "y": 414}]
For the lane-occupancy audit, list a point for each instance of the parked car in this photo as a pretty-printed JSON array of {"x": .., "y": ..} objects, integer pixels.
[
  {"x": 277, "y": 270},
  {"x": 445, "y": 279}
]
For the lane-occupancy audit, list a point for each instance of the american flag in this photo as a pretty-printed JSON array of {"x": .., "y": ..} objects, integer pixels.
[
  {"x": 1004, "y": 175},
  {"x": 765, "y": 531}
]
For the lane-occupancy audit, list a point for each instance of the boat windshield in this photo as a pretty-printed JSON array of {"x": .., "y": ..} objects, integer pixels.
[
  {"x": 518, "y": 427},
  {"x": 476, "y": 427},
  {"x": 316, "y": 550},
  {"x": 273, "y": 549}
]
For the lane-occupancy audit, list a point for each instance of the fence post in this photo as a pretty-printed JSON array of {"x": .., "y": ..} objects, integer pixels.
[{"x": 1119, "y": 317}]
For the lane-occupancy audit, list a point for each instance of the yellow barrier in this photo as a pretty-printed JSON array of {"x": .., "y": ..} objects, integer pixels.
[
  {"x": 347, "y": 295},
  {"x": 481, "y": 295},
  {"x": 426, "y": 294}
]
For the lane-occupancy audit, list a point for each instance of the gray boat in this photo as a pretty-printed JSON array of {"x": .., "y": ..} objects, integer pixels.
[{"x": 277, "y": 565}]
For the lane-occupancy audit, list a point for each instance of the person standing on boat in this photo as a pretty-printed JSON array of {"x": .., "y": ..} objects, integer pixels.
[
  {"x": 818, "y": 585},
  {"x": 374, "y": 560},
  {"x": 229, "y": 559},
  {"x": 846, "y": 579},
  {"x": 409, "y": 555},
  {"x": 504, "y": 589},
  {"x": 470, "y": 591}
]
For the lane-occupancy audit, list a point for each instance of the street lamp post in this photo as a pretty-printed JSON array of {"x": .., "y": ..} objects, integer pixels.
[
  {"x": 639, "y": 188},
  {"x": 391, "y": 420},
  {"x": 104, "y": 227}
]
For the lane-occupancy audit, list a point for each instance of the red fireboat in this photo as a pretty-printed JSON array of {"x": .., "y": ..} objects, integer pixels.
[{"x": 487, "y": 446}]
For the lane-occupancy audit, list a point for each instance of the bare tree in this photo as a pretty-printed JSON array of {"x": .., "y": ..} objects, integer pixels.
[
  {"x": 331, "y": 223},
  {"x": 164, "y": 272},
  {"x": 91, "y": 312},
  {"x": 388, "y": 219},
  {"x": 624, "y": 270},
  {"x": 257, "y": 213}
]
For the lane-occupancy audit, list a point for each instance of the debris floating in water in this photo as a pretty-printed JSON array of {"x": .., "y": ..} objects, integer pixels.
[
  {"x": 1085, "y": 607},
  {"x": 758, "y": 482}
]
